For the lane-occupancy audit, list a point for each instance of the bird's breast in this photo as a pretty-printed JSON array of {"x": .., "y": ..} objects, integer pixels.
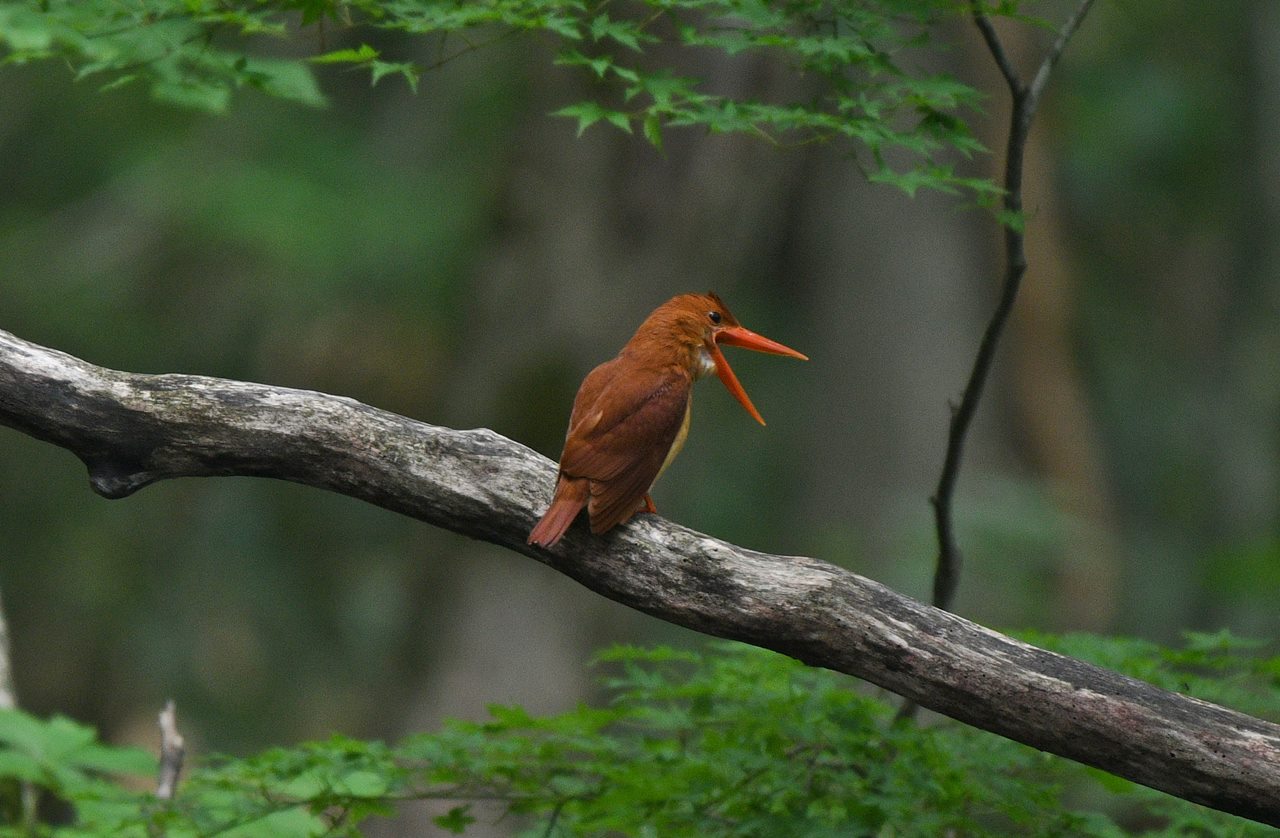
[{"x": 678, "y": 442}]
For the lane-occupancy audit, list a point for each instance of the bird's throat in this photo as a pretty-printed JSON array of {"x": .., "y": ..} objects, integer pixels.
[{"x": 703, "y": 364}]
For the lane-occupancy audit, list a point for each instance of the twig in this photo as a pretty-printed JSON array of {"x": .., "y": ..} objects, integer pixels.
[
  {"x": 8, "y": 695},
  {"x": 470, "y": 46},
  {"x": 1055, "y": 52},
  {"x": 172, "y": 751},
  {"x": 1025, "y": 101},
  {"x": 555, "y": 816}
]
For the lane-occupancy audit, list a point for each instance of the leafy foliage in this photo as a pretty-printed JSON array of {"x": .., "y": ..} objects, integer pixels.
[
  {"x": 169, "y": 44},
  {"x": 66, "y": 759},
  {"x": 733, "y": 741},
  {"x": 852, "y": 62}
]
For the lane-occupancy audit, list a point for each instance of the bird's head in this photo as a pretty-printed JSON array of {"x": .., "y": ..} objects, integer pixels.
[{"x": 699, "y": 323}]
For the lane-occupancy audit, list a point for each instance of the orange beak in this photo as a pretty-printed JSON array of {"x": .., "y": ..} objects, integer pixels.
[{"x": 747, "y": 339}]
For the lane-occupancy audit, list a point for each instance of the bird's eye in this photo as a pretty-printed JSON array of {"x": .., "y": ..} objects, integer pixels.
[{"x": 714, "y": 316}]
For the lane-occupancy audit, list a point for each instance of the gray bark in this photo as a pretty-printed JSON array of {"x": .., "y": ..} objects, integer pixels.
[{"x": 132, "y": 430}]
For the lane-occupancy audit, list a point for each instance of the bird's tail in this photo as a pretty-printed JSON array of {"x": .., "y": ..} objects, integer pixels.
[{"x": 571, "y": 496}]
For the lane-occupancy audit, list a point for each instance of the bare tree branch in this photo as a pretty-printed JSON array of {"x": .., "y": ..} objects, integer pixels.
[
  {"x": 173, "y": 750},
  {"x": 8, "y": 693},
  {"x": 131, "y": 430},
  {"x": 996, "y": 47},
  {"x": 1068, "y": 29},
  {"x": 1025, "y": 101}
]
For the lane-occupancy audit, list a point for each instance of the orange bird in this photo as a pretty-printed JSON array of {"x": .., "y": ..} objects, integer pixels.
[{"x": 631, "y": 414}]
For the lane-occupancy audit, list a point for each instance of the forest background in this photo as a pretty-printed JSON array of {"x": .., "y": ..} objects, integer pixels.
[{"x": 460, "y": 257}]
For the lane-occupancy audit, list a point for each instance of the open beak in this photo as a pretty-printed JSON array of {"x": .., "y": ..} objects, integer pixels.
[{"x": 747, "y": 339}]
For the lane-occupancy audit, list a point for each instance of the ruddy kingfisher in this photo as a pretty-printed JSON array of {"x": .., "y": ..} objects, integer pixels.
[{"x": 631, "y": 415}]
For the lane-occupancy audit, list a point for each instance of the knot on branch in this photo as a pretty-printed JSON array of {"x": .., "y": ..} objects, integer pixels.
[{"x": 115, "y": 479}]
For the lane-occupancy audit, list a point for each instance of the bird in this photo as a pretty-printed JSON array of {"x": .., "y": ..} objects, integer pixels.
[{"x": 631, "y": 414}]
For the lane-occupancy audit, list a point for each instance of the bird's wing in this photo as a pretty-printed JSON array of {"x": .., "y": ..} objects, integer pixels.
[{"x": 622, "y": 428}]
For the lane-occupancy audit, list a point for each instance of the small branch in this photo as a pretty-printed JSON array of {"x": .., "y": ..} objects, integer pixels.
[
  {"x": 470, "y": 46},
  {"x": 1068, "y": 29},
  {"x": 996, "y": 48},
  {"x": 1025, "y": 101},
  {"x": 555, "y": 816},
  {"x": 132, "y": 430},
  {"x": 8, "y": 693},
  {"x": 172, "y": 752}
]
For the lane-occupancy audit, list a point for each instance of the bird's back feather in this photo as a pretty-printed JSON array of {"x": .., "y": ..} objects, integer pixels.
[{"x": 622, "y": 430}]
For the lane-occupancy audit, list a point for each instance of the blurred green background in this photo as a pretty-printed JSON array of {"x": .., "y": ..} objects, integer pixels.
[{"x": 460, "y": 257}]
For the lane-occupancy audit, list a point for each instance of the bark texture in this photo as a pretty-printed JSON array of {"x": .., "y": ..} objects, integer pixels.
[{"x": 132, "y": 430}]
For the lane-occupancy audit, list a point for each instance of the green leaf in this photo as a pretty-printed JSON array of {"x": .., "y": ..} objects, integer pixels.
[
  {"x": 456, "y": 820},
  {"x": 624, "y": 32},
  {"x": 363, "y": 54},
  {"x": 1014, "y": 220},
  {"x": 307, "y": 786},
  {"x": 1221, "y": 640},
  {"x": 625, "y": 73},
  {"x": 20, "y": 766},
  {"x": 116, "y": 760},
  {"x": 601, "y": 65},
  {"x": 589, "y": 113},
  {"x": 407, "y": 70},
  {"x": 652, "y": 127},
  {"x": 564, "y": 26},
  {"x": 24, "y": 30},
  {"x": 24, "y": 731},
  {"x": 294, "y": 822},
  {"x": 285, "y": 79},
  {"x": 314, "y": 10},
  {"x": 202, "y": 97},
  {"x": 361, "y": 784},
  {"x": 619, "y": 119}
]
